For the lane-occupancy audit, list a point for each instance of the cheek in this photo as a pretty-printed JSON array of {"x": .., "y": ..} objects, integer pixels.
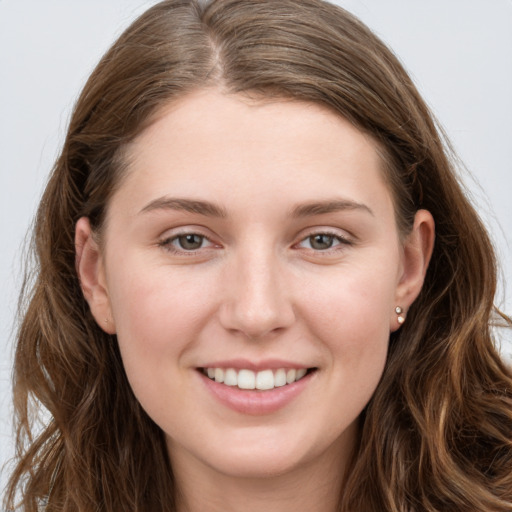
[
  {"x": 157, "y": 315},
  {"x": 149, "y": 299},
  {"x": 158, "y": 320},
  {"x": 353, "y": 303},
  {"x": 350, "y": 317}
]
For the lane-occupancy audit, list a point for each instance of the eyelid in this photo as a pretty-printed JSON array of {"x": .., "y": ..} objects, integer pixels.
[
  {"x": 169, "y": 236},
  {"x": 339, "y": 235},
  {"x": 166, "y": 240}
]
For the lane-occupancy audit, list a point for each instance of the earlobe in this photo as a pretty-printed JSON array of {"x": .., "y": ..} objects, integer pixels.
[
  {"x": 90, "y": 269},
  {"x": 417, "y": 251}
]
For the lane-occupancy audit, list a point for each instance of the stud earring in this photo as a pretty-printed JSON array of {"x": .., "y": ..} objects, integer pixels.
[{"x": 399, "y": 311}]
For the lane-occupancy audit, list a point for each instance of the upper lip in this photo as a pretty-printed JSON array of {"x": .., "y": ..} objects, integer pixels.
[{"x": 245, "y": 364}]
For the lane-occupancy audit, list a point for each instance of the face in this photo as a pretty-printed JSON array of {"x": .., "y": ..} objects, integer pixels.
[{"x": 250, "y": 267}]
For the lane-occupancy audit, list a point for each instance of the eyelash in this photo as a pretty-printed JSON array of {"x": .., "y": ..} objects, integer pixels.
[
  {"x": 336, "y": 239},
  {"x": 339, "y": 241},
  {"x": 168, "y": 243}
]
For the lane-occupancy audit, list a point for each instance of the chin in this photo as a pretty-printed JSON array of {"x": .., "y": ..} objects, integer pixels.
[
  {"x": 259, "y": 466},
  {"x": 265, "y": 453}
]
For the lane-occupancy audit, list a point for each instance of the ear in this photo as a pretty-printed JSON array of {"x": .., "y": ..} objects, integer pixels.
[
  {"x": 417, "y": 251},
  {"x": 91, "y": 273}
]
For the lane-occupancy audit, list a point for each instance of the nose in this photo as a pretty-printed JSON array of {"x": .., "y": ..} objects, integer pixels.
[{"x": 257, "y": 300}]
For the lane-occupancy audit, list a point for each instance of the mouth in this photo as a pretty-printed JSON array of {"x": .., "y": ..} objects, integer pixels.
[{"x": 263, "y": 380}]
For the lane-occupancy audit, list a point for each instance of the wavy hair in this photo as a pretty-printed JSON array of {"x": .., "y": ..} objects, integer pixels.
[{"x": 436, "y": 435}]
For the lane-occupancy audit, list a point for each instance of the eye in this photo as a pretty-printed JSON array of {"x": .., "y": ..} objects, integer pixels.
[
  {"x": 186, "y": 242},
  {"x": 189, "y": 242},
  {"x": 322, "y": 241}
]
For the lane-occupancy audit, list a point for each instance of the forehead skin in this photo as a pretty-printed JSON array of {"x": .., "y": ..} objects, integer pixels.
[{"x": 208, "y": 115}]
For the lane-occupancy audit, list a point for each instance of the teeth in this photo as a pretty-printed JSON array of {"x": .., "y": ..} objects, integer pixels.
[
  {"x": 300, "y": 373},
  {"x": 246, "y": 379},
  {"x": 290, "y": 376},
  {"x": 230, "y": 378},
  {"x": 263, "y": 380},
  {"x": 219, "y": 375},
  {"x": 280, "y": 378}
]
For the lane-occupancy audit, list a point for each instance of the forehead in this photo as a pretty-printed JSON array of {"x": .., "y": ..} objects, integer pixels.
[
  {"x": 212, "y": 117},
  {"x": 211, "y": 142}
]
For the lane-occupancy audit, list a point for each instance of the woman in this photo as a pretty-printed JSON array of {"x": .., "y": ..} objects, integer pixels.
[{"x": 260, "y": 286}]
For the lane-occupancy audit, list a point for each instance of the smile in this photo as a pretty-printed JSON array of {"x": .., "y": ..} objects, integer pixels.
[{"x": 262, "y": 380}]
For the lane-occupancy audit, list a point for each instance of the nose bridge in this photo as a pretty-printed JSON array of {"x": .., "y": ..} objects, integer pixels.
[{"x": 257, "y": 302}]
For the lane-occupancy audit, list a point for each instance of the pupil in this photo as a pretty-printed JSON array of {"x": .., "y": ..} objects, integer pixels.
[
  {"x": 190, "y": 242},
  {"x": 321, "y": 242}
]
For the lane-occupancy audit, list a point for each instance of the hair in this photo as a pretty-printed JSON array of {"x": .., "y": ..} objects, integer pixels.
[{"x": 436, "y": 435}]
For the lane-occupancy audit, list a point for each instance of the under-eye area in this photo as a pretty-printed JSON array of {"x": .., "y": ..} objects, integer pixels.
[{"x": 262, "y": 380}]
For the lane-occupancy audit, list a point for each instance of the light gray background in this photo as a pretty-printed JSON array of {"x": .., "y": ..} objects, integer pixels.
[{"x": 459, "y": 53}]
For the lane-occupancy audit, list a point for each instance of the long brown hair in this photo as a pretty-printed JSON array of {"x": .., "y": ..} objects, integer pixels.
[{"x": 437, "y": 434}]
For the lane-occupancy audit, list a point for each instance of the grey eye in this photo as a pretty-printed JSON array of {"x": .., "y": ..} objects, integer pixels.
[
  {"x": 321, "y": 241},
  {"x": 190, "y": 242}
]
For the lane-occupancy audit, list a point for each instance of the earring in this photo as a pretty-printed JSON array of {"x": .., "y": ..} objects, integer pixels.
[{"x": 399, "y": 311}]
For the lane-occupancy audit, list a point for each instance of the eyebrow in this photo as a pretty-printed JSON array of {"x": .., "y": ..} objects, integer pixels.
[
  {"x": 209, "y": 209},
  {"x": 187, "y": 205},
  {"x": 329, "y": 206}
]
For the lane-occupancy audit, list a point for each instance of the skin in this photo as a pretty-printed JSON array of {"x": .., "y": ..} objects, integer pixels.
[{"x": 258, "y": 286}]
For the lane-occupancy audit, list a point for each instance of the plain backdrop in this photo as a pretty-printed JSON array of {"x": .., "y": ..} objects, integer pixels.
[{"x": 459, "y": 52}]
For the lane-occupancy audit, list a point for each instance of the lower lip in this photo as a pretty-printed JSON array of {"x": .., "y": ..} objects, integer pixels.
[{"x": 256, "y": 402}]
